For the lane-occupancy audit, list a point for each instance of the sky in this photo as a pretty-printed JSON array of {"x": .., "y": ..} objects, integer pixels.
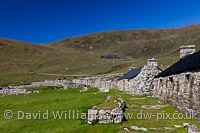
[{"x": 45, "y": 21}]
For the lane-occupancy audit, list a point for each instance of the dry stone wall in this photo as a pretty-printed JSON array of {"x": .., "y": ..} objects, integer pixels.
[
  {"x": 7, "y": 91},
  {"x": 14, "y": 90},
  {"x": 99, "y": 82},
  {"x": 182, "y": 91},
  {"x": 124, "y": 85},
  {"x": 63, "y": 83},
  {"x": 107, "y": 116}
]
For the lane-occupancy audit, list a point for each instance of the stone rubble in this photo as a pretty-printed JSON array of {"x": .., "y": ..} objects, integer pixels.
[
  {"x": 64, "y": 83},
  {"x": 193, "y": 129},
  {"x": 133, "y": 106},
  {"x": 84, "y": 89},
  {"x": 104, "y": 90},
  {"x": 177, "y": 126},
  {"x": 138, "y": 98},
  {"x": 108, "y": 98},
  {"x": 186, "y": 125},
  {"x": 126, "y": 129},
  {"x": 157, "y": 129},
  {"x": 7, "y": 91},
  {"x": 153, "y": 106},
  {"x": 168, "y": 128},
  {"x": 137, "y": 128},
  {"x": 14, "y": 90},
  {"x": 107, "y": 116}
]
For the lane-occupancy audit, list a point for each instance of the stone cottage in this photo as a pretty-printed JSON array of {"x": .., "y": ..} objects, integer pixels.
[
  {"x": 124, "y": 82},
  {"x": 179, "y": 85},
  {"x": 139, "y": 81}
]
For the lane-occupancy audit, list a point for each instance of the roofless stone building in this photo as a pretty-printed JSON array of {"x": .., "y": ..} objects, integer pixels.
[{"x": 179, "y": 84}]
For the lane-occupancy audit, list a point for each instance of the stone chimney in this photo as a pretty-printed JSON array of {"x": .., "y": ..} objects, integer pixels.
[
  {"x": 131, "y": 68},
  {"x": 152, "y": 62},
  {"x": 186, "y": 50}
]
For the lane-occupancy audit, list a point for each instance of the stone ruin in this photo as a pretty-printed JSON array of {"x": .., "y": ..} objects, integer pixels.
[
  {"x": 7, "y": 91},
  {"x": 107, "y": 116},
  {"x": 181, "y": 90},
  {"x": 142, "y": 84},
  {"x": 110, "y": 57},
  {"x": 124, "y": 85},
  {"x": 84, "y": 89},
  {"x": 104, "y": 90},
  {"x": 14, "y": 90},
  {"x": 104, "y": 84}
]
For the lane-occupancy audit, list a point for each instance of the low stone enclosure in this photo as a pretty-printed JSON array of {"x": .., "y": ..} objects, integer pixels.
[
  {"x": 7, "y": 91},
  {"x": 15, "y": 90},
  {"x": 103, "y": 116},
  {"x": 64, "y": 83}
]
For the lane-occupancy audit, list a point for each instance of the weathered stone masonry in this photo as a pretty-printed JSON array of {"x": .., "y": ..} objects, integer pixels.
[
  {"x": 142, "y": 84},
  {"x": 102, "y": 116},
  {"x": 182, "y": 91},
  {"x": 15, "y": 90},
  {"x": 179, "y": 85}
]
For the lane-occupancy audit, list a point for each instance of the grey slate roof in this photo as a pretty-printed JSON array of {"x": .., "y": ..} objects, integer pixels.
[
  {"x": 188, "y": 63},
  {"x": 131, "y": 74}
]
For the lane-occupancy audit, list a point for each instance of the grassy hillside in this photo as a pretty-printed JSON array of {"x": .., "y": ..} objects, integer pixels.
[
  {"x": 135, "y": 43},
  {"x": 20, "y": 57},
  {"x": 140, "y": 45},
  {"x": 81, "y": 54}
]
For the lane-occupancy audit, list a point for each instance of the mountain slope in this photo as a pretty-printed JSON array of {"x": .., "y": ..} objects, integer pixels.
[
  {"x": 18, "y": 57},
  {"x": 81, "y": 54},
  {"x": 135, "y": 43}
]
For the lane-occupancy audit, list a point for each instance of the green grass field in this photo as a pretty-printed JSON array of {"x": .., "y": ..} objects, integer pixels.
[{"x": 72, "y": 99}]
